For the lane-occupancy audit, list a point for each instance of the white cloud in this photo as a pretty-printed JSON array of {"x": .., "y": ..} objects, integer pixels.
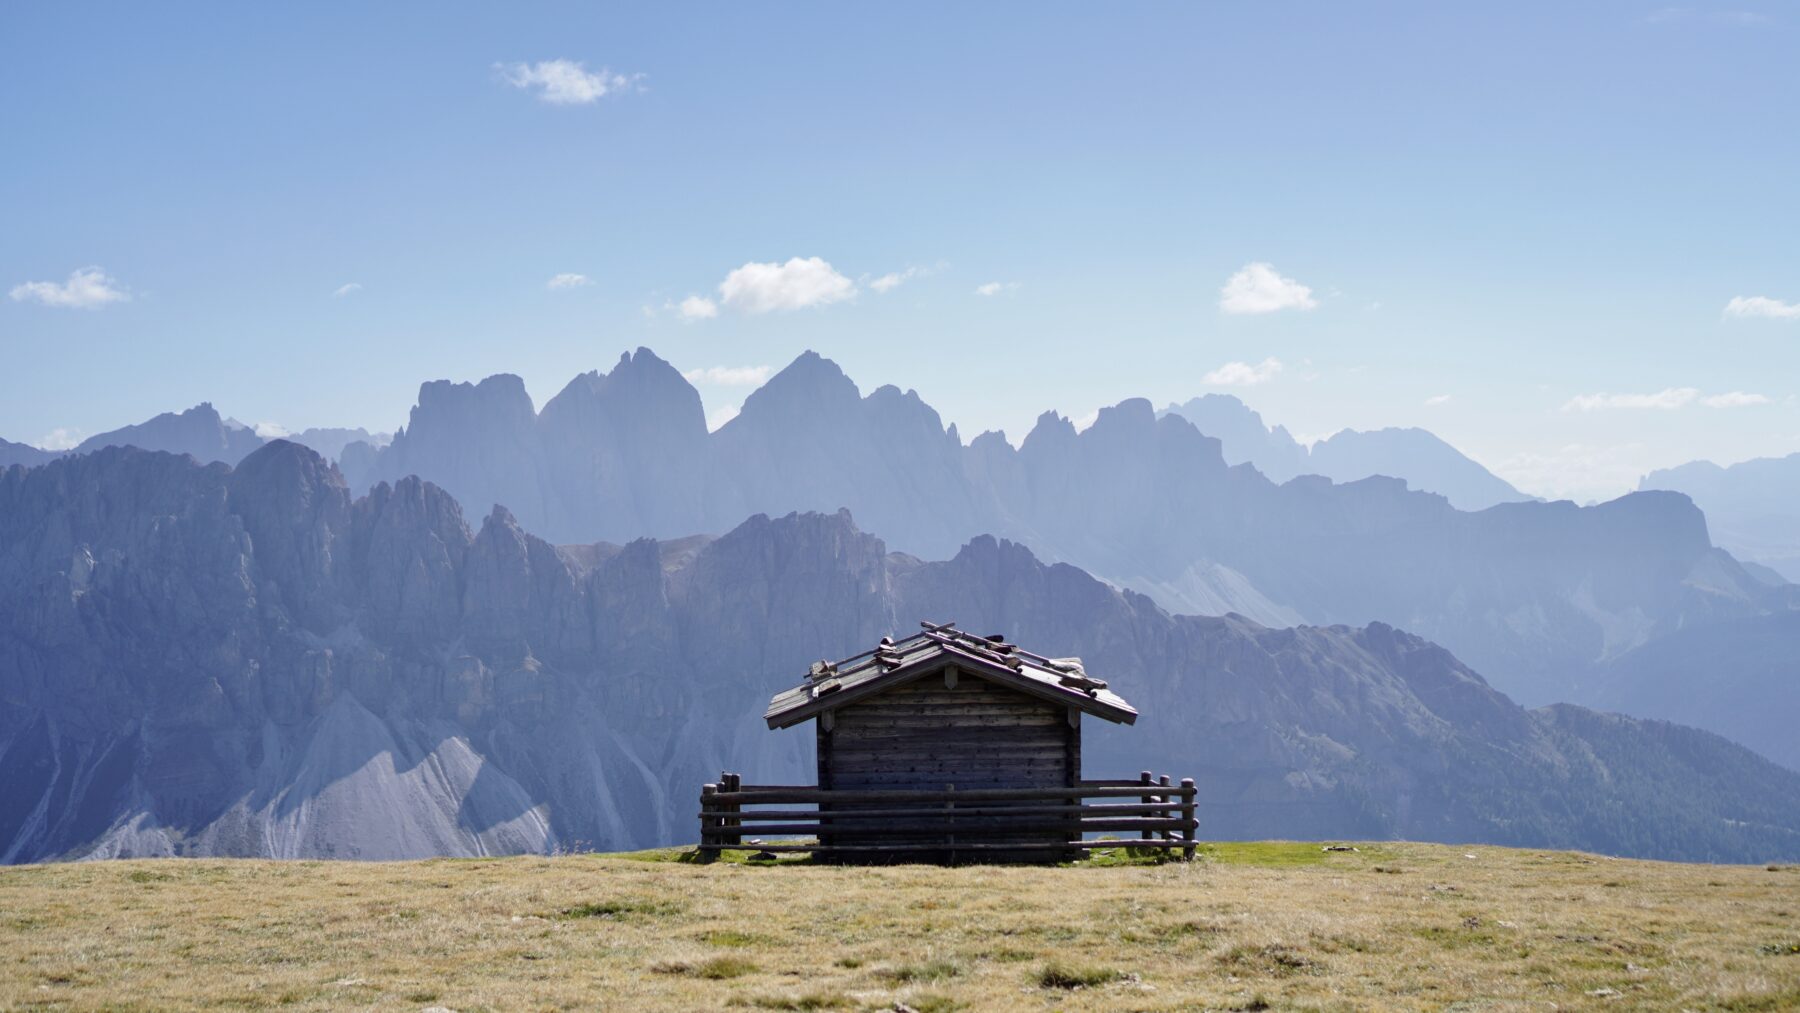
[
  {"x": 566, "y": 82},
  {"x": 1762, "y": 306},
  {"x": 797, "y": 284},
  {"x": 568, "y": 280},
  {"x": 344, "y": 290},
  {"x": 87, "y": 288},
  {"x": 894, "y": 279},
  {"x": 1084, "y": 422},
  {"x": 1437, "y": 399},
  {"x": 718, "y": 417},
  {"x": 1259, "y": 289},
  {"x": 729, "y": 376},
  {"x": 1666, "y": 399},
  {"x": 696, "y": 307},
  {"x": 1243, "y": 374},
  {"x": 993, "y": 288},
  {"x": 271, "y": 430},
  {"x": 1734, "y": 399},
  {"x": 61, "y": 439}
]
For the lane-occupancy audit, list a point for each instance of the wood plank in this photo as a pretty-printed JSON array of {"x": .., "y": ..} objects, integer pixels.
[
  {"x": 1083, "y": 845},
  {"x": 751, "y": 794},
  {"x": 1126, "y": 809}
]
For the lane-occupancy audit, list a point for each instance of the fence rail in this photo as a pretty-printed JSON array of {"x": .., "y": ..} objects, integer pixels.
[{"x": 734, "y": 816}]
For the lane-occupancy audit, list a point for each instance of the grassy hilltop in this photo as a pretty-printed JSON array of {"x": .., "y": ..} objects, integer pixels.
[{"x": 1251, "y": 926}]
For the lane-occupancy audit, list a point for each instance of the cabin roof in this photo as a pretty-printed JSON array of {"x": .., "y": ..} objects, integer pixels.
[{"x": 938, "y": 645}]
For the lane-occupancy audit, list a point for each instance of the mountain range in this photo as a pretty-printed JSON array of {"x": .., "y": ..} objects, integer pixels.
[
  {"x": 200, "y": 659},
  {"x": 1540, "y": 597},
  {"x": 1550, "y": 601},
  {"x": 1413, "y": 455}
]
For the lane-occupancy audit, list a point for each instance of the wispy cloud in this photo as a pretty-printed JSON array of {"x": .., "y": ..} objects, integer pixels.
[
  {"x": 1762, "y": 306},
  {"x": 1243, "y": 374},
  {"x": 87, "y": 288},
  {"x": 729, "y": 376},
  {"x": 800, "y": 283},
  {"x": 344, "y": 290},
  {"x": 1734, "y": 399},
  {"x": 567, "y": 82},
  {"x": 894, "y": 279},
  {"x": 270, "y": 430},
  {"x": 568, "y": 281},
  {"x": 1667, "y": 399},
  {"x": 1258, "y": 288},
  {"x": 1437, "y": 399},
  {"x": 994, "y": 288}
]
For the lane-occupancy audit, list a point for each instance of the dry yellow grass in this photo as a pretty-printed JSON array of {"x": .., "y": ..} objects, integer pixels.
[{"x": 1391, "y": 926}]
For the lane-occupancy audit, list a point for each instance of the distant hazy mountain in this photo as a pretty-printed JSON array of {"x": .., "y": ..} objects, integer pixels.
[
  {"x": 198, "y": 432},
  {"x": 1415, "y": 456},
  {"x": 1753, "y": 507},
  {"x": 1738, "y": 677},
  {"x": 201, "y": 660},
  {"x": 1535, "y": 595},
  {"x": 25, "y": 454},
  {"x": 331, "y": 442}
]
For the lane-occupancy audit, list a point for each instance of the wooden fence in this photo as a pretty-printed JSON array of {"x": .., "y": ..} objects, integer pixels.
[{"x": 954, "y": 824}]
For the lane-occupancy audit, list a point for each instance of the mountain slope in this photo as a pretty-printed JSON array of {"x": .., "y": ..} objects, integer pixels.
[
  {"x": 203, "y": 660},
  {"x": 24, "y": 454},
  {"x": 198, "y": 432}
]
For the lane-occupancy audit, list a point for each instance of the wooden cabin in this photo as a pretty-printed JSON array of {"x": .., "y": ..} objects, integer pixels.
[{"x": 946, "y": 742}]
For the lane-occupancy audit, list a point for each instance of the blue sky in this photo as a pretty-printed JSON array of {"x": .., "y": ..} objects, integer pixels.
[{"x": 1520, "y": 227}]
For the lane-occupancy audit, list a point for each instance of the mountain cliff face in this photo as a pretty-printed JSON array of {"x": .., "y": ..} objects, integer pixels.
[
  {"x": 1417, "y": 457},
  {"x": 1537, "y": 595},
  {"x": 201, "y": 660},
  {"x": 1753, "y": 506}
]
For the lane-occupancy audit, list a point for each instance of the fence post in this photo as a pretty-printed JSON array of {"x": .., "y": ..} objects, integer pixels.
[
  {"x": 731, "y": 783},
  {"x": 1187, "y": 815},
  {"x": 1144, "y": 799},
  {"x": 707, "y": 852},
  {"x": 1167, "y": 800}
]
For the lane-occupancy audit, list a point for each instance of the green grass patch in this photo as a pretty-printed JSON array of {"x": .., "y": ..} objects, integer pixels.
[
  {"x": 808, "y": 1001},
  {"x": 622, "y": 908},
  {"x": 1067, "y": 976},
  {"x": 931, "y": 970},
  {"x": 716, "y": 969},
  {"x": 729, "y": 937},
  {"x": 1273, "y": 960},
  {"x": 1270, "y": 854},
  {"x": 1790, "y": 949}
]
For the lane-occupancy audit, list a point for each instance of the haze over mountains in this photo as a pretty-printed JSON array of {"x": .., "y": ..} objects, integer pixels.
[
  {"x": 1422, "y": 460},
  {"x": 1753, "y": 506},
  {"x": 202, "y": 660},
  {"x": 1538, "y": 596},
  {"x": 1551, "y": 602}
]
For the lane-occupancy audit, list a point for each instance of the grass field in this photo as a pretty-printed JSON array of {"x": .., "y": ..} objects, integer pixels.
[{"x": 1249, "y": 926}]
